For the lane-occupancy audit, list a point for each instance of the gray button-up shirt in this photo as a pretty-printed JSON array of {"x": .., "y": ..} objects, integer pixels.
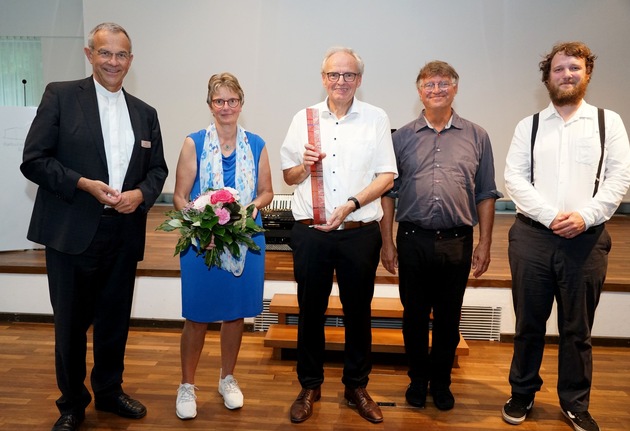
[{"x": 442, "y": 176}]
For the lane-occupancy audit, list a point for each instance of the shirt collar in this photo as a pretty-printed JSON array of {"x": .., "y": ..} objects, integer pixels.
[
  {"x": 100, "y": 90},
  {"x": 455, "y": 121},
  {"x": 584, "y": 111},
  {"x": 355, "y": 108}
]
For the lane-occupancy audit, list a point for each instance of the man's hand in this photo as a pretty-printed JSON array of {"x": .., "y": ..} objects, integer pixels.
[
  {"x": 481, "y": 259},
  {"x": 337, "y": 217},
  {"x": 129, "y": 201},
  {"x": 389, "y": 257},
  {"x": 311, "y": 155},
  {"x": 568, "y": 225},
  {"x": 101, "y": 191}
]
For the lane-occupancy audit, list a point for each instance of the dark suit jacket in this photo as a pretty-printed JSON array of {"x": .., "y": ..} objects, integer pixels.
[{"x": 64, "y": 143}]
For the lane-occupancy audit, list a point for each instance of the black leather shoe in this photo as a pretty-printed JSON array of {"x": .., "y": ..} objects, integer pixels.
[
  {"x": 68, "y": 422},
  {"x": 366, "y": 406},
  {"x": 302, "y": 407},
  {"x": 416, "y": 394},
  {"x": 443, "y": 398},
  {"x": 122, "y": 405}
]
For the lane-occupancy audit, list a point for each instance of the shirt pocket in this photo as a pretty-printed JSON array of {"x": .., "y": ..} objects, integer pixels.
[{"x": 587, "y": 151}]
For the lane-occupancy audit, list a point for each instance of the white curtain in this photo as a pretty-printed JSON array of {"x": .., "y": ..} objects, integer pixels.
[{"x": 21, "y": 71}]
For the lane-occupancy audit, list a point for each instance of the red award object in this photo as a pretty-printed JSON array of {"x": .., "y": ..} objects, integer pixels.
[{"x": 317, "y": 173}]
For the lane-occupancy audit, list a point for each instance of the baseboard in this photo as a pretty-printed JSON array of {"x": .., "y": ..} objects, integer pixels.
[
  {"x": 596, "y": 341},
  {"x": 135, "y": 322}
]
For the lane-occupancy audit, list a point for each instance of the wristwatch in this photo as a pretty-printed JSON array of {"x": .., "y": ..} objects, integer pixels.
[{"x": 356, "y": 202}]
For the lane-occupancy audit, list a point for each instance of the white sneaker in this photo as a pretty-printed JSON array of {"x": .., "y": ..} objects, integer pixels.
[
  {"x": 232, "y": 395},
  {"x": 186, "y": 406}
]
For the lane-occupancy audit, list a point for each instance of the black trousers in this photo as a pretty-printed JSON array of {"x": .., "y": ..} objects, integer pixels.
[
  {"x": 433, "y": 273},
  {"x": 93, "y": 288},
  {"x": 545, "y": 267},
  {"x": 352, "y": 255}
]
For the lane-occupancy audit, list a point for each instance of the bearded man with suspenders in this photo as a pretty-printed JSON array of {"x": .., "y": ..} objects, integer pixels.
[{"x": 567, "y": 170}]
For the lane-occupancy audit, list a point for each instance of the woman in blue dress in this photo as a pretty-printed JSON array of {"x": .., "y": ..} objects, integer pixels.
[{"x": 223, "y": 155}]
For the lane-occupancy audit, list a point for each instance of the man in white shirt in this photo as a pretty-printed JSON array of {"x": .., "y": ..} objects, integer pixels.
[
  {"x": 567, "y": 175},
  {"x": 356, "y": 165}
]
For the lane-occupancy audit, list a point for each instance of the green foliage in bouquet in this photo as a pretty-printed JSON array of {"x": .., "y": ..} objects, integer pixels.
[{"x": 215, "y": 217}]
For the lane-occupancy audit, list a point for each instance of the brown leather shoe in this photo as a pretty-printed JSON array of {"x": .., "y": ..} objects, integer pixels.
[
  {"x": 302, "y": 407},
  {"x": 366, "y": 407}
]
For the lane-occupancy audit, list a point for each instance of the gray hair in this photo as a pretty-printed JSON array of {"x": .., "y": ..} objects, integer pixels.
[
  {"x": 107, "y": 26},
  {"x": 336, "y": 49}
]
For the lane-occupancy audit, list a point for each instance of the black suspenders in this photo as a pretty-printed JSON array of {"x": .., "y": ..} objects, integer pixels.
[{"x": 602, "y": 138}]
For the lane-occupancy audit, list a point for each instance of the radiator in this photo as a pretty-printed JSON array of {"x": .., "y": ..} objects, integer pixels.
[
  {"x": 477, "y": 322},
  {"x": 264, "y": 319}
]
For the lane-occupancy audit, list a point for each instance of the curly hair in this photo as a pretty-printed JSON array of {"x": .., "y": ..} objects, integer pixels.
[{"x": 571, "y": 49}]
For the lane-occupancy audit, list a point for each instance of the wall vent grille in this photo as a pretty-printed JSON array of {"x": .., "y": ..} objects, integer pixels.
[
  {"x": 263, "y": 320},
  {"x": 478, "y": 322},
  {"x": 481, "y": 323}
]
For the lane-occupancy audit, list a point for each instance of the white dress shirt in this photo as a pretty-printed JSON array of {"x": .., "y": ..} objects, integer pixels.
[
  {"x": 117, "y": 133},
  {"x": 566, "y": 156},
  {"x": 357, "y": 146}
]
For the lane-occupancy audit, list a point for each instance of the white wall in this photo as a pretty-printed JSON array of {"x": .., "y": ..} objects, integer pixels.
[
  {"x": 275, "y": 48},
  {"x": 159, "y": 298}
]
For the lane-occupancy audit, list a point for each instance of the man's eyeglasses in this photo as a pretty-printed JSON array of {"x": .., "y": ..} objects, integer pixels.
[
  {"x": 107, "y": 55},
  {"x": 232, "y": 103},
  {"x": 442, "y": 85},
  {"x": 348, "y": 76}
]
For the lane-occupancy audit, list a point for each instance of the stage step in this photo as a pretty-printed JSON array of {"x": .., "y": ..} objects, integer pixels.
[
  {"x": 384, "y": 340},
  {"x": 287, "y": 304}
]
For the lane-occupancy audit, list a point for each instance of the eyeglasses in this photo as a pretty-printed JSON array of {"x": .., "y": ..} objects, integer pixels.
[
  {"x": 232, "y": 103},
  {"x": 442, "y": 85},
  {"x": 107, "y": 55},
  {"x": 347, "y": 76}
]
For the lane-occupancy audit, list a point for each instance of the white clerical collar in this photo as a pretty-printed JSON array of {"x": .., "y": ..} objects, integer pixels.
[{"x": 105, "y": 92}]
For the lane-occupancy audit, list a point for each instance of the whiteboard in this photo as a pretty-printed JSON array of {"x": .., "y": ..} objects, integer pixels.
[{"x": 18, "y": 193}]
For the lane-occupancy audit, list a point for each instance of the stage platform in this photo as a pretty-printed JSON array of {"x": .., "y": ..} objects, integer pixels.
[{"x": 160, "y": 262}]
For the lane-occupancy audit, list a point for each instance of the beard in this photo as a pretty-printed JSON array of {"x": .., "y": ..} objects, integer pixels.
[{"x": 572, "y": 96}]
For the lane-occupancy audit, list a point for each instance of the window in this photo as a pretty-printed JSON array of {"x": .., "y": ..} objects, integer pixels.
[{"x": 21, "y": 71}]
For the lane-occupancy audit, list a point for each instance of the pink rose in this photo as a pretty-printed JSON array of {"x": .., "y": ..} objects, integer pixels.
[
  {"x": 223, "y": 214},
  {"x": 221, "y": 196}
]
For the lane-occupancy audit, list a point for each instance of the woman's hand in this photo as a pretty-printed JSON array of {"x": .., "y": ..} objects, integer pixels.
[{"x": 211, "y": 246}]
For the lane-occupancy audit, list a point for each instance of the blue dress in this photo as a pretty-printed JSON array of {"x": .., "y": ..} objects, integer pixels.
[{"x": 210, "y": 295}]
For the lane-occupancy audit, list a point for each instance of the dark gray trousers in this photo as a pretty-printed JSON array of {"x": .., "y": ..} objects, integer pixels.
[{"x": 545, "y": 267}]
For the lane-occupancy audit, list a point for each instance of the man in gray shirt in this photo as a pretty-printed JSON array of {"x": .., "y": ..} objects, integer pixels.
[{"x": 445, "y": 187}]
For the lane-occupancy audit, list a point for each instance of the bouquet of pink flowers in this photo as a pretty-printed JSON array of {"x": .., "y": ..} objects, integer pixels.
[{"x": 214, "y": 217}]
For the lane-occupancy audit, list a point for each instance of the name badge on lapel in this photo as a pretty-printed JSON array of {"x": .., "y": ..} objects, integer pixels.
[{"x": 145, "y": 144}]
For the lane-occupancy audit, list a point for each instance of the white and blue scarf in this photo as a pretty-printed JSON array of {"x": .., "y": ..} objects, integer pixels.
[{"x": 211, "y": 176}]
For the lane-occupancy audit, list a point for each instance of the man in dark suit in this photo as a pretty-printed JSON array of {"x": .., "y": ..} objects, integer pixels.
[{"x": 96, "y": 154}]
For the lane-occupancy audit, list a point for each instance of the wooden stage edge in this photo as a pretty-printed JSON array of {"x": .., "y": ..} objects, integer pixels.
[{"x": 160, "y": 262}]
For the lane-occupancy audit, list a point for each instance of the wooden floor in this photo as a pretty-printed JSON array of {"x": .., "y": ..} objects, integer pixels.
[{"x": 28, "y": 389}]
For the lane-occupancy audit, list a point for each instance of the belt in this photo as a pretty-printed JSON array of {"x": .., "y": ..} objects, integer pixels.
[
  {"x": 109, "y": 212},
  {"x": 532, "y": 223},
  {"x": 343, "y": 226},
  {"x": 455, "y": 232},
  {"x": 537, "y": 225}
]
